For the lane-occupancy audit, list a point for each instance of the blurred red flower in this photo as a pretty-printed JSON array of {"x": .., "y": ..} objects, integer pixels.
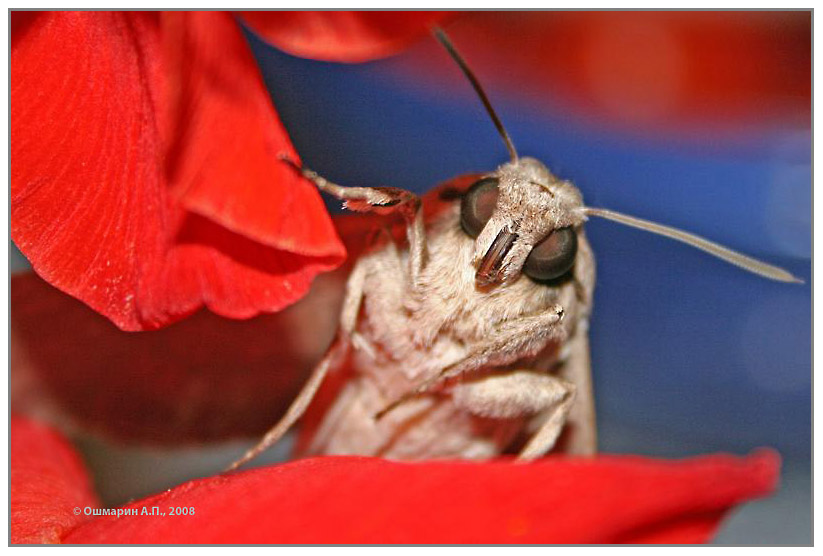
[{"x": 669, "y": 74}]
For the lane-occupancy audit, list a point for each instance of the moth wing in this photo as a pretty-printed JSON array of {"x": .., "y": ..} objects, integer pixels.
[{"x": 580, "y": 437}]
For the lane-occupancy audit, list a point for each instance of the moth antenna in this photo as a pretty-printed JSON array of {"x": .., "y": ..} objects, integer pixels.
[
  {"x": 733, "y": 257},
  {"x": 443, "y": 39}
]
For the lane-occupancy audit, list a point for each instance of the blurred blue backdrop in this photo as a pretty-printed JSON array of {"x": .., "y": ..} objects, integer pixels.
[{"x": 689, "y": 354}]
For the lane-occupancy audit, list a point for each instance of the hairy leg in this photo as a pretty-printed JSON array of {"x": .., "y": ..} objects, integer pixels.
[
  {"x": 513, "y": 340},
  {"x": 521, "y": 393},
  {"x": 334, "y": 356},
  {"x": 543, "y": 440},
  {"x": 382, "y": 200}
]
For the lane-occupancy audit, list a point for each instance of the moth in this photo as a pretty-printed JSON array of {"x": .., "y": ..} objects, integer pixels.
[{"x": 472, "y": 339}]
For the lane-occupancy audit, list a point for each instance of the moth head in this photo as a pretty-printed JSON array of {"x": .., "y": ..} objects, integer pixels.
[{"x": 524, "y": 221}]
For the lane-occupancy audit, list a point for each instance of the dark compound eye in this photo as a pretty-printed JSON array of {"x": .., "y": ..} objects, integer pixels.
[
  {"x": 478, "y": 205},
  {"x": 552, "y": 257}
]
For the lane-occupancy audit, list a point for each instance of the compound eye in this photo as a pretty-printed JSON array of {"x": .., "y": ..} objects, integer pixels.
[
  {"x": 478, "y": 205},
  {"x": 553, "y": 256}
]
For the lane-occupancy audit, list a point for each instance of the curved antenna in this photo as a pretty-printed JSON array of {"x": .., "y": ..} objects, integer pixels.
[
  {"x": 441, "y": 36},
  {"x": 738, "y": 259}
]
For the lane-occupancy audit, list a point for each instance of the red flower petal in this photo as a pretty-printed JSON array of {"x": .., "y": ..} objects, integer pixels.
[
  {"x": 47, "y": 482},
  {"x": 203, "y": 379},
  {"x": 145, "y": 179},
  {"x": 225, "y": 139},
  {"x": 342, "y": 36},
  {"x": 368, "y": 500}
]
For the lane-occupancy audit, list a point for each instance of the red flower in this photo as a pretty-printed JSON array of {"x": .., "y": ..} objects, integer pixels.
[
  {"x": 611, "y": 499},
  {"x": 145, "y": 178}
]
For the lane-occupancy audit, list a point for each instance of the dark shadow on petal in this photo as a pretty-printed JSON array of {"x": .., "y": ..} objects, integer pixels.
[
  {"x": 205, "y": 378},
  {"x": 21, "y": 23}
]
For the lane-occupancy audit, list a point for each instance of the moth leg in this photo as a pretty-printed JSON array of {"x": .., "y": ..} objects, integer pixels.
[
  {"x": 334, "y": 356},
  {"x": 382, "y": 200},
  {"x": 298, "y": 407},
  {"x": 581, "y": 436},
  {"x": 511, "y": 341},
  {"x": 518, "y": 393},
  {"x": 543, "y": 440}
]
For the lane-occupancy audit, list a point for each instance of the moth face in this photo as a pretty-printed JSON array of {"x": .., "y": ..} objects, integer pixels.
[{"x": 524, "y": 220}]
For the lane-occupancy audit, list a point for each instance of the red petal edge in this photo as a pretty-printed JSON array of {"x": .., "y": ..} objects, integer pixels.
[
  {"x": 610, "y": 499},
  {"x": 48, "y": 481},
  {"x": 342, "y": 36},
  {"x": 145, "y": 178}
]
